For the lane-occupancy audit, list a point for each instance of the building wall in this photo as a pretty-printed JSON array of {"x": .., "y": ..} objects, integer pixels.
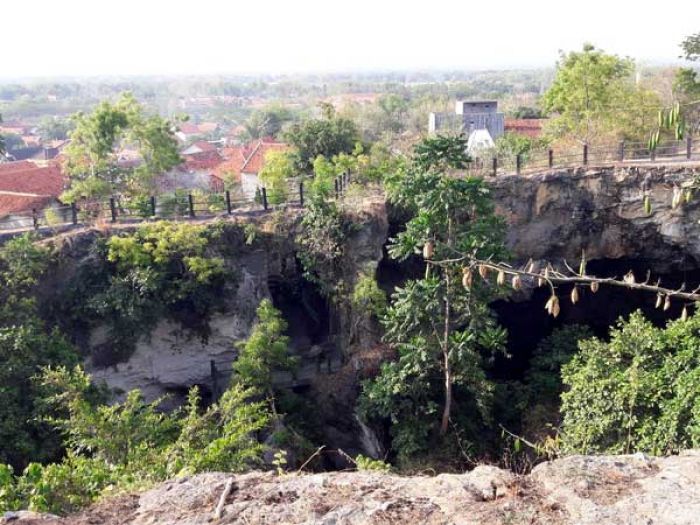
[{"x": 249, "y": 183}]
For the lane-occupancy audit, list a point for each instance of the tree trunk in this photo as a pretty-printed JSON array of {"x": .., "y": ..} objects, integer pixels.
[{"x": 448, "y": 396}]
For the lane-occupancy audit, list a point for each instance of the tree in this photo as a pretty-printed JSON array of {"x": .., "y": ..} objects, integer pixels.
[
  {"x": 639, "y": 391},
  {"x": 54, "y": 128},
  {"x": 265, "y": 351},
  {"x": 92, "y": 160},
  {"x": 3, "y": 147},
  {"x": 327, "y": 136},
  {"x": 438, "y": 327},
  {"x": 691, "y": 47},
  {"x": 590, "y": 93},
  {"x": 277, "y": 170},
  {"x": 268, "y": 121}
]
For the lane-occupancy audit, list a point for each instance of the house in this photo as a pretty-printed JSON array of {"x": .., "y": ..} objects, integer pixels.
[
  {"x": 470, "y": 116},
  {"x": 14, "y": 127},
  {"x": 195, "y": 172},
  {"x": 198, "y": 147},
  {"x": 243, "y": 165},
  {"x": 187, "y": 131},
  {"x": 24, "y": 187},
  {"x": 530, "y": 127}
]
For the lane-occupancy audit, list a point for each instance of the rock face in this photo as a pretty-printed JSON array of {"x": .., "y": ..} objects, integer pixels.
[
  {"x": 557, "y": 214},
  {"x": 613, "y": 490}
]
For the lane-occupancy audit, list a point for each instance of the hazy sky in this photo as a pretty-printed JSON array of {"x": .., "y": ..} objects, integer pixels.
[{"x": 96, "y": 37}]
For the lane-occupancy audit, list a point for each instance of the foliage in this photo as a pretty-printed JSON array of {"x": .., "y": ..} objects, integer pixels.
[
  {"x": 323, "y": 230},
  {"x": 368, "y": 297},
  {"x": 92, "y": 157},
  {"x": 54, "y": 128},
  {"x": 639, "y": 391},
  {"x": 132, "y": 444},
  {"x": 369, "y": 464},
  {"x": 265, "y": 351},
  {"x": 277, "y": 170},
  {"x": 593, "y": 93},
  {"x": 161, "y": 268},
  {"x": 267, "y": 122},
  {"x": 440, "y": 330},
  {"x": 327, "y": 136},
  {"x": 691, "y": 47}
]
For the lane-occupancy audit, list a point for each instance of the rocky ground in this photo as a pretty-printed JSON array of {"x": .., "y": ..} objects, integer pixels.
[{"x": 575, "y": 490}]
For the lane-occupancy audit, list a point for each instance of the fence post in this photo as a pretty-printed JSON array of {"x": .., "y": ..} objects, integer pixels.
[
  {"x": 336, "y": 187},
  {"x": 264, "y": 198},
  {"x": 35, "y": 219},
  {"x": 153, "y": 205},
  {"x": 301, "y": 194},
  {"x": 74, "y": 212},
  {"x": 113, "y": 209},
  {"x": 550, "y": 158},
  {"x": 190, "y": 204},
  {"x": 688, "y": 147},
  {"x": 621, "y": 151},
  {"x": 518, "y": 164},
  {"x": 228, "y": 202},
  {"x": 652, "y": 154},
  {"x": 214, "y": 380},
  {"x": 585, "y": 154},
  {"x": 494, "y": 166}
]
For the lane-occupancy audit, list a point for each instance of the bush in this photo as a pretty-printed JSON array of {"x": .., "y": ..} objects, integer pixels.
[{"x": 640, "y": 391}]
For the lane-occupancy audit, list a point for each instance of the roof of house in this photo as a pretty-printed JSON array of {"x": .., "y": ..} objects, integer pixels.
[
  {"x": 33, "y": 180},
  {"x": 24, "y": 186},
  {"x": 202, "y": 161},
  {"x": 203, "y": 145},
  {"x": 6, "y": 167},
  {"x": 249, "y": 157},
  {"x": 13, "y": 203},
  {"x": 256, "y": 160},
  {"x": 189, "y": 128}
]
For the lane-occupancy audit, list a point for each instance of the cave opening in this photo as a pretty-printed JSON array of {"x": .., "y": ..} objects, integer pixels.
[{"x": 528, "y": 323}]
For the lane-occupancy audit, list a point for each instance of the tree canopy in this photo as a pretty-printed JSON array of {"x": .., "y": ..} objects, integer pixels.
[{"x": 92, "y": 159}]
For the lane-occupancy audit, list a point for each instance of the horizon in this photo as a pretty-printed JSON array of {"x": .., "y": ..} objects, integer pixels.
[{"x": 217, "y": 39}]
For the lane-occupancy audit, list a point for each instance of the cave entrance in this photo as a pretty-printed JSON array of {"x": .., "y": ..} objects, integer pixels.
[
  {"x": 306, "y": 311},
  {"x": 528, "y": 323}
]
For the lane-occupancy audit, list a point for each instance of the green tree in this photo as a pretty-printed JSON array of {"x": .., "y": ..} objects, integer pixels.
[
  {"x": 327, "y": 136},
  {"x": 639, "y": 391},
  {"x": 440, "y": 330},
  {"x": 691, "y": 47},
  {"x": 265, "y": 351},
  {"x": 277, "y": 170},
  {"x": 92, "y": 160},
  {"x": 268, "y": 121},
  {"x": 591, "y": 92},
  {"x": 54, "y": 128}
]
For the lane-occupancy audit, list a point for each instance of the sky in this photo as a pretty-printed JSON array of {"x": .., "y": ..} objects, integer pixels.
[{"x": 45, "y": 38}]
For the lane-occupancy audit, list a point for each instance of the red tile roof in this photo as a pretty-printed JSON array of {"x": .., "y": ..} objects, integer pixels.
[
  {"x": 188, "y": 128},
  {"x": 256, "y": 160},
  {"x": 202, "y": 161},
  {"x": 528, "y": 127},
  {"x": 10, "y": 204},
  {"x": 204, "y": 145},
  {"x": 33, "y": 180},
  {"x": 6, "y": 167}
]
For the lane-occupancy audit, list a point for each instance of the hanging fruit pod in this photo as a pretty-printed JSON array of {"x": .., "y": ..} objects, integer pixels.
[
  {"x": 667, "y": 303},
  {"x": 516, "y": 283},
  {"x": 629, "y": 278},
  {"x": 501, "y": 279},
  {"x": 594, "y": 286},
  {"x": 483, "y": 271},
  {"x": 531, "y": 267},
  {"x": 552, "y": 305},
  {"x": 467, "y": 278},
  {"x": 574, "y": 295},
  {"x": 647, "y": 205},
  {"x": 684, "y": 314},
  {"x": 428, "y": 249},
  {"x": 659, "y": 300}
]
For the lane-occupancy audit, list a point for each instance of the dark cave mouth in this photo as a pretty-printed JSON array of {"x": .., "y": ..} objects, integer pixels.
[{"x": 528, "y": 323}]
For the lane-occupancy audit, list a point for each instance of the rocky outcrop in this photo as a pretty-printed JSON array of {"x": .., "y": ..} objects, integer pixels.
[
  {"x": 557, "y": 214},
  {"x": 613, "y": 490}
]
